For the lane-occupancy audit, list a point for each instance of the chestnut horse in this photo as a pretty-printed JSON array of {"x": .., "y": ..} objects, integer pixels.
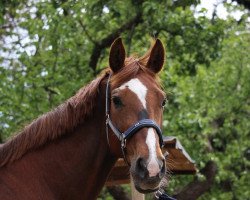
[{"x": 69, "y": 152}]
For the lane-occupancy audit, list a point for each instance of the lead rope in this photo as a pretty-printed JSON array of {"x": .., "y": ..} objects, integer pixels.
[{"x": 161, "y": 195}]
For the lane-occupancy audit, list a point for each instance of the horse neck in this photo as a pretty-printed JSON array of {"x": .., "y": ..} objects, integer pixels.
[{"x": 74, "y": 166}]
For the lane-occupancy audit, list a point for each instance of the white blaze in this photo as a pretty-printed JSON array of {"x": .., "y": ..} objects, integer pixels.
[
  {"x": 136, "y": 86},
  {"x": 153, "y": 166}
]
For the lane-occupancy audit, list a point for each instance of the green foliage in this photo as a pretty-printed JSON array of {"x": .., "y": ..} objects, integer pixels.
[
  {"x": 45, "y": 56},
  {"x": 210, "y": 114}
]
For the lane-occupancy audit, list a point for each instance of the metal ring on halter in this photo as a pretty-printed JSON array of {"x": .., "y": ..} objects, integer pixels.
[{"x": 158, "y": 193}]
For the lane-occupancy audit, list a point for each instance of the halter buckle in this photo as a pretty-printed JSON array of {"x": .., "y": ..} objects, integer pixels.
[
  {"x": 123, "y": 143},
  {"x": 107, "y": 119},
  {"x": 158, "y": 193}
]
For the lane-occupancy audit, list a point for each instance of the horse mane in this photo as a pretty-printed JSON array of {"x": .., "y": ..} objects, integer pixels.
[
  {"x": 53, "y": 124},
  {"x": 67, "y": 116}
]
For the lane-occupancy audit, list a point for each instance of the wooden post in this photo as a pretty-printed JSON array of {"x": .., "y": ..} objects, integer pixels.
[{"x": 135, "y": 194}]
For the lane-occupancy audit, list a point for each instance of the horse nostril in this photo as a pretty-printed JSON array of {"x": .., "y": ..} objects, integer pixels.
[
  {"x": 141, "y": 164},
  {"x": 141, "y": 167}
]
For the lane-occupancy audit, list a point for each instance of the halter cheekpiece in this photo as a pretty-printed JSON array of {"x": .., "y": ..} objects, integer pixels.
[{"x": 131, "y": 130}]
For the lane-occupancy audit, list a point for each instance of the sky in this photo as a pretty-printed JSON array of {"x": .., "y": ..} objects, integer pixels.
[{"x": 221, "y": 10}]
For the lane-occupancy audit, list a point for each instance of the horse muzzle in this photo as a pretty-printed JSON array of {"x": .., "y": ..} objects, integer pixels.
[{"x": 147, "y": 176}]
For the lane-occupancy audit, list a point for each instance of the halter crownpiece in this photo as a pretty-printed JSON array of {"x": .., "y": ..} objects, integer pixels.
[{"x": 131, "y": 130}]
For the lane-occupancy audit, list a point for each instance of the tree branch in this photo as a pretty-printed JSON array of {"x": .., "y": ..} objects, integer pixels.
[
  {"x": 106, "y": 42},
  {"x": 245, "y": 3},
  {"x": 86, "y": 32},
  {"x": 197, "y": 188}
]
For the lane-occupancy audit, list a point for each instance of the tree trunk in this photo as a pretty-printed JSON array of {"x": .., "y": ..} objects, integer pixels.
[{"x": 197, "y": 188}]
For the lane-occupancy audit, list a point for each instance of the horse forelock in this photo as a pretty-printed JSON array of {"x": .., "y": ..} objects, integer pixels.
[{"x": 133, "y": 66}]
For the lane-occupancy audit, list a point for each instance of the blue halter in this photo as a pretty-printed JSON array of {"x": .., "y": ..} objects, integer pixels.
[{"x": 131, "y": 130}]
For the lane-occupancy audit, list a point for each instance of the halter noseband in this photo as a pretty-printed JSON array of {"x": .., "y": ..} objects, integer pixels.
[{"x": 131, "y": 130}]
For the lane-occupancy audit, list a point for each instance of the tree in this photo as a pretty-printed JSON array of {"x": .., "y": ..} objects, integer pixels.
[
  {"x": 210, "y": 114},
  {"x": 49, "y": 49}
]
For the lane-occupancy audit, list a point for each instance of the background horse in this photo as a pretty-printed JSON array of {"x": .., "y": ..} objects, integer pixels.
[{"x": 68, "y": 153}]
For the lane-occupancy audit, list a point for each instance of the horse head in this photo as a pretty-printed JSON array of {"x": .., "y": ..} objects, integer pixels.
[{"x": 136, "y": 97}]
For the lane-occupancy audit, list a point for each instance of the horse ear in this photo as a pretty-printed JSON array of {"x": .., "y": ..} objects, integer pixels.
[
  {"x": 157, "y": 56},
  {"x": 117, "y": 55}
]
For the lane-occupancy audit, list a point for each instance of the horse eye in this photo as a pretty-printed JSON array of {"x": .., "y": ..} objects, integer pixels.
[
  {"x": 164, "y": 102},
  {"x": 117, "y": 101}
]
